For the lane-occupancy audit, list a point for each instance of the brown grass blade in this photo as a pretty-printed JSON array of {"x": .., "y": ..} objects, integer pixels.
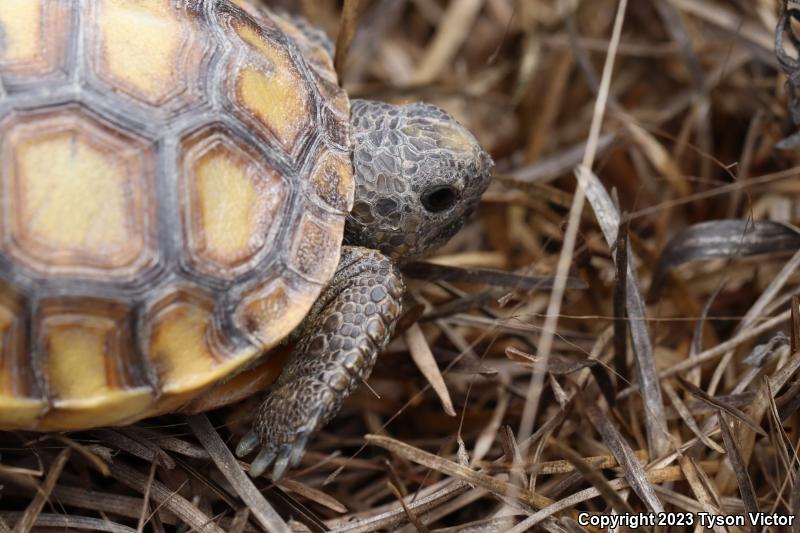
[
  {"x": 620, "y": 299},
  {"x": 720, "y": 349},
  {"x": 137, "y": 447},
  {"x": 733, "y": 411},
  {"x": 310, "y": 493},
  {"x": 489, "y": 433},
  {"x": 423, "y": 357},
  {"x": 412, "y": 517},
  {"x": 693, "y": 477},
  {"x": 599, "y": 462},
  {"x": 688, "y": 419},
  {"x": 229, "y": 467},
  {"x": 565, "y": 257},
  {"x": 593, "y": 476},
  {"x": 87, "y": 453},
  {"x": 164, "y": 497},
  {"x": 746, "y": 490},
  {"x": 550, "y": 167},
  {"x": 70, "y": 522},
  {"x": 145, "y": 511},
  {"x": 626, "y": 457},
  {"x": 722, "y": 239},
  {"x": 660, "y": 158},
  {"x": 513, "y": 458},
  {"x": 484, "y": 276},
  {"x": 98, "y": 501},
  {"x": 660, "y": 475},
  {"x": 693, "y": 376},
  {"x": 36, "y": 505},
  {"x": 795, "y": 501},
  {"x": 453, "y": 30},
  {"x": 351, "y": 14},
  {"x": 464, "y": 473},
  {"x": 789, "y": 402},
  {"x": 727, "y": 20},
  {"x": 183, "y": 448},
  {"x": 562, "y": 366},
  {"x": 388, "y": 515},
  {"x": 490, "y": 525},
  {"x": 795, "y": 330},
  {"x": 655, "y": 422}
]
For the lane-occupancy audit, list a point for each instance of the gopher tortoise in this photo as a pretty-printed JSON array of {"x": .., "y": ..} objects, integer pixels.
[{"x": 183, "y": 186}]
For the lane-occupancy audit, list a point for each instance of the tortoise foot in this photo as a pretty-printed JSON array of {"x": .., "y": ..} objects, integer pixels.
[
  {"x": 283, "y": 426},
  {"x": 351, "y": 322}
]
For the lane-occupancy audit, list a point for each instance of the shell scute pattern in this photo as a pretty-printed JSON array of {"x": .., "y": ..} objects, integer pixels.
[
  {"x": 55, "y": 229},
  {"x": 19, "y": 389},
  {"x": 317, "y": 50},
  {"x": 329, "y": 183},
  {"x": 34, "y": 40},
  {"x": 157, "y": 146},
  {"x": 165, "y": 65},
  {"x": 91, "y": 335},
  {"x": 316, "y": 237},
  {"x": 268, "y": 89},
  {"x": 183, "y": 355},
  {"x": 233, "y": 199}
]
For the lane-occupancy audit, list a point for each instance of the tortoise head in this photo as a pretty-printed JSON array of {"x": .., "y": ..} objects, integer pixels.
[{"x": 419, "y": 175}]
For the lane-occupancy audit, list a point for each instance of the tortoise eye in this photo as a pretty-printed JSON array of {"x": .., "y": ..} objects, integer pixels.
[{"x": 440, "y": 199}]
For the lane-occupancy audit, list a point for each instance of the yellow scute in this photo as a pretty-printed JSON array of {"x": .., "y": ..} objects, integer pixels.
[
  {"x": 277, "y": 96},
  {"x": 227, "y": 200},
  {"x": 231, "y": 201},
  {"x": 179, "y": 351},
  {"x": 19, "y": 413},
  {"x": 141, "y": 43},
  {"x": 17, "y": 409},
  {"x": 83, "y": 354},
  {"x": 82, "y": 205},
  {"x": 20, "y": 22},
  {"x": 7, "y": 319},
  {"x": 74, "y": 346},
  {"x": 270, "y": 312},
  {"x": 237, "y": 202}
]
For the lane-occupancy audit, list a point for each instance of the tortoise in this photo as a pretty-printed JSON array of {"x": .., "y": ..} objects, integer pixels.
[{"x": 185, "y": 187}]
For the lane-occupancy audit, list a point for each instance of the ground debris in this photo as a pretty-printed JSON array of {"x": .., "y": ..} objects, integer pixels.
[{"x": 684, "y": 401}]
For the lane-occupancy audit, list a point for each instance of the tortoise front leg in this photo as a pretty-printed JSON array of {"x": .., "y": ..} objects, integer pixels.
[{"x": 336, "y": 348}]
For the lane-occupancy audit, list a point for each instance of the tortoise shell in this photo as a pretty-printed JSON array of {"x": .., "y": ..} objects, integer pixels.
[{"x": 174, "y": 180}]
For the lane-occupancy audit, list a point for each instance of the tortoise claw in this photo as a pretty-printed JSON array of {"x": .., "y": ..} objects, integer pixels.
[
  {"x": 279, "y": 442},
  {"x": 288, "y": 455},
  {"x": 261, "y": 462},
  {"x": 248, "y": 443},
  {"x": 282, "y": 429},
  {"x": 299, "y": 449},
  {"x": 282, "y": 462}
]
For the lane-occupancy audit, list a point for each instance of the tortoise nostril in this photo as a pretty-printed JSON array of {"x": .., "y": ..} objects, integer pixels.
[{"x": 439, "y": 199}]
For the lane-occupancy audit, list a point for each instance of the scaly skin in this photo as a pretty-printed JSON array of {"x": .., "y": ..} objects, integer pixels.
[
  {"x": 338, "y": 343},
  {"x": 403, "y": 156},
  {"x": 419, "y": 175}
]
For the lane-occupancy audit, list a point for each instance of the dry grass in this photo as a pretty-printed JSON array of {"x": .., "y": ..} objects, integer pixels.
[{"x": 625, "y": 359}]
